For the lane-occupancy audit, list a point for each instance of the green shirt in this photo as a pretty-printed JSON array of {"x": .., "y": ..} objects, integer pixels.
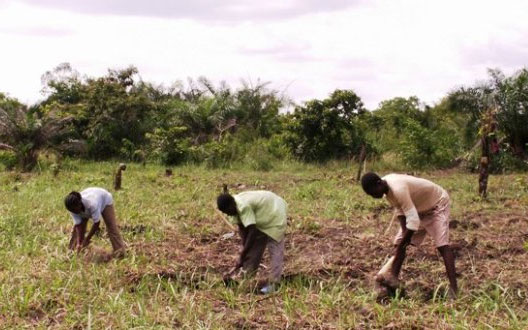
[{"x": 263, "y": 209}]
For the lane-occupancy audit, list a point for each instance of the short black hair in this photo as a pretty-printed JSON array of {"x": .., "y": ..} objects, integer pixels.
[
  {"x": 369, "y": 181},
  {"x": 224, "y": 201},
  {"x": 72, "y": 200}
]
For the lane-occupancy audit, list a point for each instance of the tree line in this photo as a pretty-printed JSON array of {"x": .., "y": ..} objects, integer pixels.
[{"x": 120, "y": 116}]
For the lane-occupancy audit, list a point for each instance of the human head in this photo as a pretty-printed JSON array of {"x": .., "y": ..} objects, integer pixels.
[
  {"x": 226, "y": 203},
  {"x": 373, "y": 185},
  {"x": 73, "y": 202}
]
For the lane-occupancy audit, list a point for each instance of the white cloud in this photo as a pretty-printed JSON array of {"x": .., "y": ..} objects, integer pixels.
[
  {"x": 211, "y": 10},
  {"x": 381, "y": 49}
]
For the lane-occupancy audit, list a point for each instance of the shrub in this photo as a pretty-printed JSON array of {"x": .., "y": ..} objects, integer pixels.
[
  {"x": 258, "y": 156},
  {"x": 169, "y": 145},
  {"x": 277, "y": 146},
  {"x": 422, "y": 147},
  {"x": 8, "y": 160}
]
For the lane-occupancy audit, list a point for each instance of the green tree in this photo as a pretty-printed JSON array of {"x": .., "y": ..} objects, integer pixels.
[
  {"x": 257, "y": 109},
  {"x": 508, "y": 95},
  {"x": 107, "y": 112},
  {"x": 391, "y": 119},
  {"x": 422, "y": 147},
  {"x": 169, "y": 144},
  {"x": 27, "y": 131},
  {"x": 512, "y": 118},
  {"x": 327, "y": 129}
]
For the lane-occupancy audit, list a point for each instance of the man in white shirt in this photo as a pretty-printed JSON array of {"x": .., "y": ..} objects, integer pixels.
[
  {"x": 93, "y": 203},
  {"x": 422, "y": 207}
]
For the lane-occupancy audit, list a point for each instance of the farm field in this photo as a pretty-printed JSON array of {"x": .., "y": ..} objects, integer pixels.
[{"x": 337, "y": 240}]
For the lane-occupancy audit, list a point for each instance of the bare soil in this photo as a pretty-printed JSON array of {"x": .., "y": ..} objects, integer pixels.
[{"x": 488, "y": 249}]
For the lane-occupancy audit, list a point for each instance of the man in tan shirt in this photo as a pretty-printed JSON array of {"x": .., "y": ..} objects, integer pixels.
[{"x": 422, "y": 207}]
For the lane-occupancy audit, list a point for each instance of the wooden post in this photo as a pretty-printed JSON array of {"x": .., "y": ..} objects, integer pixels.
[
  {"x": 117, "y": 178},
  {"x": 361, "y": 160}
]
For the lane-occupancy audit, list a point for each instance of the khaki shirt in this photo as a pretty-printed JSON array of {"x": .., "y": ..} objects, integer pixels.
[{"x": 410, "y": 196}]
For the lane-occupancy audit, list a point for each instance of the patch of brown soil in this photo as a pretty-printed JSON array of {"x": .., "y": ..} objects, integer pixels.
[{"x": 487, "y": 249}]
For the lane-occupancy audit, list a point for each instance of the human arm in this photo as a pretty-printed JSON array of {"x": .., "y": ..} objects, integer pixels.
[
  {"x": 81, "y": 231},
  {"x": 96, "y": 215},
  {"x": 409, "y": 221},
  {"x": 93, "y": 230},
  {"x": 388, "y": 275},
  {"x": 401, "y": 247},
  {"x": 242, "y": 233},
  {"x": 247, "y": 229},
  {"x": 247, "y": 235},
  {"x": 247, "y": 243}
]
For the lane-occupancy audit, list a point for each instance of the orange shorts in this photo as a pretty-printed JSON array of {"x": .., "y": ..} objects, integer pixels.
[{"x": 434, "y": 222}]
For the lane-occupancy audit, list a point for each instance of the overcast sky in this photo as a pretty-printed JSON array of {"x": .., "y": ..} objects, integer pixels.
[{"x": 307, "y": 48}]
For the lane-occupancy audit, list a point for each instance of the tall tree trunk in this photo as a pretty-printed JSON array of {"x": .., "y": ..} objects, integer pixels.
[
  {"x": 487, "y": 133},
  {"x": 484, "y": 165}
]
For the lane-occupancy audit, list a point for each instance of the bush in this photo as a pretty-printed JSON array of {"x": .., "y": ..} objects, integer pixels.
[
  {"x": 258, "y": 156},
  {"x": 424, "y": 148},
  {"x": 8, "y": 160},
  {"x": 505, "y": 161},
  {"x": 127, "y": 150},
  {"x": 169, "y": 145},
  {"x": 277, "y": 146},
  {"x": 217, "y": 154},
  {"x": 233, "y": 150},
  {"x": 502, "y": 162},
  {"x": 322, "y": 130}
]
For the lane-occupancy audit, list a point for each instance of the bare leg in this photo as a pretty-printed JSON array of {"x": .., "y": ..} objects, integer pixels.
[{"x": 449, "y": 261}]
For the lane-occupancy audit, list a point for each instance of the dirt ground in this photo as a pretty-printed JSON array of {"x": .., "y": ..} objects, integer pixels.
[{"x": 487, "y": 248}]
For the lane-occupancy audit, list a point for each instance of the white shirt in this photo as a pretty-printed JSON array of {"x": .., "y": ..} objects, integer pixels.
[{"x": 94, "y": 200}]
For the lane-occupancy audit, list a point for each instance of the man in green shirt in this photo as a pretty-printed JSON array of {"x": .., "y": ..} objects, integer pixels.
[{"x": 261, "y": 219}]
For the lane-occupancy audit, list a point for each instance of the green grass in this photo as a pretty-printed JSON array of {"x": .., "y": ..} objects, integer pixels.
[{"x": 336, "y": 243}]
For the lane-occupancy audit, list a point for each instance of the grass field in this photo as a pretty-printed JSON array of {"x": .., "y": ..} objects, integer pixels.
[{"x": 337, "y": 240}]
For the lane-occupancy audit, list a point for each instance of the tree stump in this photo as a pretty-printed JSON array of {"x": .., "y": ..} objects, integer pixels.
[{"x": 117, "y": 178}]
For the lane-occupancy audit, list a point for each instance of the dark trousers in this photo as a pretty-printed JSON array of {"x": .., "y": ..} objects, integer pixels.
[{"x": 254, "y": 256}]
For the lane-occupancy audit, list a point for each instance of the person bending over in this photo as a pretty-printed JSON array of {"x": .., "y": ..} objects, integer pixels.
[
  {"x": 261, "y": 219},
  {"x": 422, "y": 207},
  {"x": 93, "y": 203}
]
